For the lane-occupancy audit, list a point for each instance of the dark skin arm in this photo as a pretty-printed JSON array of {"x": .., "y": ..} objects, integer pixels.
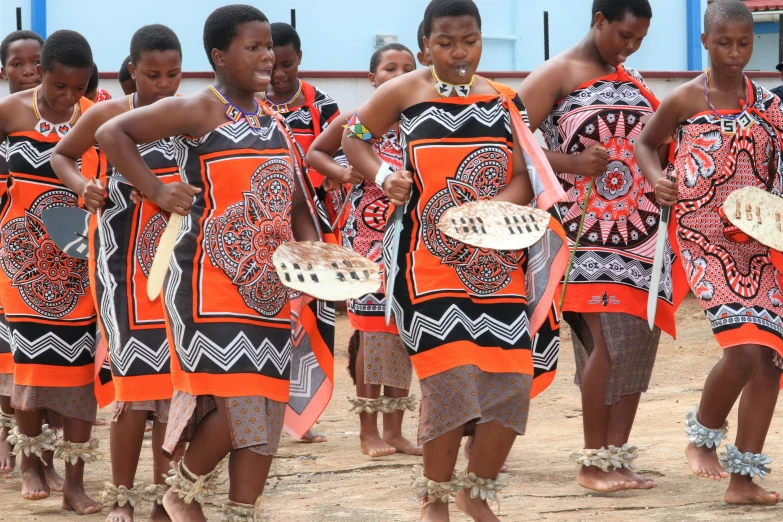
[
  {"x": 302, "y": 219},
  {"x": 321, "y": 156},
  {"x": 539, "y": 97},
  {"x": 378, "y": 114},
  {"x": 73, "y": 146},
  {"x": 170, "y": 117},
  {"x": 657, "y": 133},
  {"x": 518, "y": 190}
]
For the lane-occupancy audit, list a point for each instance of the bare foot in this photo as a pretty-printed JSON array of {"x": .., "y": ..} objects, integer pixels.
[
  {"x": 435, "y": 512},
  {"x": 181, "y": 512},
  {"x": 99, "y": 422},
  {"x": 402, "y": 445},
  {"x": 148, "y": 427},
  {"x": 312, "y": 437},
  {"x": 644, "y": 482},
  {"x": 475, "y": 508},
  {"x": 704, "y": 463},
  {"x": 745, "y": 491},
  {"x": 7, "y": 460},
  {"x": 374, "y": 446},
  {"x": 469, "y": 445},
  {"x": 593, "y": 478},
  {"x": 75, "y": 499},
  {"x": 159, "y": 514},
  {"x": 120, "y": 514},
  {"x": 53, "y": 480},
  {"x": 33, "y": 483}
]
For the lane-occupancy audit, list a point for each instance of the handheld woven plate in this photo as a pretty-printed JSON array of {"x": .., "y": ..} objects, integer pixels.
[
  {"x": 325, "y": 271},
  {"x": 68, "y": 226},
  {"x": 494, "y": 224},
  {"x": 758, "y": 214}
]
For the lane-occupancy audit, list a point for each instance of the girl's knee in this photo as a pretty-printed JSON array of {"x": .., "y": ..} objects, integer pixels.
[{"x": 746, "y": 358}]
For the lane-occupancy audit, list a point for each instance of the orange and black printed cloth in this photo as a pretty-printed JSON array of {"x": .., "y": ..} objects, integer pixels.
[
  {"x": 102, "y": 95},
  {"x": 46, "y": 293},
  {"x": 732, "y": 275},
  {"x": 612, "y": 266},
  {"x": 6, "y": 357},
  {"x": 310, "y": 119},
  {"x": 456, "y": 305},
  {"x": 362, "y": 232},
  {"x": 233, "y": 328},
  {"x": 123, "y": 239}
]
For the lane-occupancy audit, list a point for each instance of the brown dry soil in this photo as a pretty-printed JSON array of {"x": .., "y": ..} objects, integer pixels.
[{"x": 334, "y": 481}]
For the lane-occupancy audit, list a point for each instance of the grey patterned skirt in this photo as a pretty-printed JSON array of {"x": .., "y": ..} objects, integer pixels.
[{"x": 632, "y": 349}]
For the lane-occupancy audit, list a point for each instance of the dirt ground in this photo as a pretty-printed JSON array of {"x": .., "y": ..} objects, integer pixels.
[{"x": 334, "y": 481}]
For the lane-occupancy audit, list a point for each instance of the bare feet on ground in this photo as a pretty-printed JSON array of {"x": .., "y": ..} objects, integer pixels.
[
  {"x": 402, "y": 445},
  {"x": 75, "y": 499},
  {"x": 120, "y": 514},
  {"x": 374, "y": 446},
  {"x": 593, "y": 478},
  {"x": 181, "y": 512},
  {"x": 745, "y": 491},
  {"x": 704, "y": 463},
  {"x": 644, "y": 482},
  {"x": 34, "y": 485},
  {"x": 475, "y": 508}
]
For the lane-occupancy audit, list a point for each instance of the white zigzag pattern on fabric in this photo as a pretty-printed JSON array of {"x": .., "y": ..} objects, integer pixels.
[
  {"x": 51, "y": 342},
  {"x": 302, "y": 382},
  {"x": 546, "y": 358},
  {"x": 33, "y": 156},
  {"x": 238, "y": 131},
  {"x": 226, "y": 357},
  {"x": 453, "y": 317},
  {"x": 5, "y": 332},
  {"x": 161, "y": 146},
  {"x": 137, "y": 350},
  {"x": 325, "y": 313},
  {"x": 304, "y": 116},
  {"x": 109, "y": 247},
  {"x": 592, "y": 266},
  {"x": 487, "y": 116}
]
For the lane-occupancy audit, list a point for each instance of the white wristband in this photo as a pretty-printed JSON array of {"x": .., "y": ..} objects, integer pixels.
[{"x": 384, "y": 172}]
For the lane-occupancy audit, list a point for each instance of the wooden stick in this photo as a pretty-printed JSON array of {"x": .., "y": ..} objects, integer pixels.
[{"x": 576, "y": 244}]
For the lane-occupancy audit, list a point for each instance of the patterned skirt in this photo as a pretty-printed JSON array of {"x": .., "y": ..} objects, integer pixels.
[
  {"x": 6, "y": 384},
  {"x": 466, "y": 394},
  {"x": 74, "y": 402},
  {"x": 255, "y": 422},
  {"x": 158, "y": 410},
  {"x": 632, "y": 349},
  {"x": 386, "y": 362}
]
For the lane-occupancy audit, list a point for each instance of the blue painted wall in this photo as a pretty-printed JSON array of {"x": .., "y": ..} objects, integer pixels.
[{"x": 338, "y": 34}]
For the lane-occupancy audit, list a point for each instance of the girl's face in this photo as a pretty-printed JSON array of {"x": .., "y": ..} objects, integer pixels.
[
  {"x": 286, "y": 70},
  {"x": 157, "y": 74},
  {"x": 62, "y": 87},
  {"x": 393, "y": 64},
  {"x": 21, "y": 65},
  {"x": 618, "y": 40},
  {"x": 454, "y": 44},
  {"x": 730, "y": 44}
]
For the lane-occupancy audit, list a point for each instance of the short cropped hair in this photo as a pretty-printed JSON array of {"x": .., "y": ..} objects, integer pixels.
[
  {"x": 420, "y": 36},
  {"x": 284, "y": 34},
  {"x": 154, "y": 37},
  {"x": 726, "y": 10},
  {"x": 93, "y": 83},
  {"x": 377, "y": 56},
  {"x": 124, "y": 75},
  {"x": 448, "y": 8},
  {"x": 67, "y": 48},
  {"x": 15, "y": 37},
  {"x": 220, "y": 29},
  {"x": 615, "y": 10}
]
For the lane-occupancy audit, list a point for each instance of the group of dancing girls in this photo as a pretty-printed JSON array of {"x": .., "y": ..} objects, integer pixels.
[{"x": 479, "y": 327}]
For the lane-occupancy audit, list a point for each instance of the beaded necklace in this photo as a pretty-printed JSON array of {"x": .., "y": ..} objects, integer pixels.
[
  {"x": 729, "y": 122},
  {"x": 445, "y": 88},
  {"x": 235, "y": 114},
  {"x": 283, "y": 108}
]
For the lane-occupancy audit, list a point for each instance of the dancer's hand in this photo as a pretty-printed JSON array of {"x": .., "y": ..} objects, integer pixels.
[
  {"x": 593, "y": 161},
  {"x": 93, "y": 195},
  {"x": 175, "y": 197},
  {"x": 397, "y": 187},
  {"x": 349, "y": 175},
  {"x": 666, "y": 190}
]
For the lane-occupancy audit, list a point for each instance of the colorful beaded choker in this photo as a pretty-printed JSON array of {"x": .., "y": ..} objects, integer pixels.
[
  {"x": 235, "y": 114},
  {"x": 282, "y": 108},
  {"x": 445, "y": 88},
  {"x": 729, "y": 122}
]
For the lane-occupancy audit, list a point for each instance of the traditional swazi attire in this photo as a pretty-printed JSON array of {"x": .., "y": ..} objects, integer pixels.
[
  {"x": 6, "y": 356},
  {"x": 386, "y": 362},
  {"x": 234, "y": 335},
  {"x": 613, "y": 262},
  {"x": 469, "y": 317},
  {"x": 307, "y": 122},
  {"x": 737, "y": 280},
  {"x": 124, "y": 237},
  {"x": 46, "y": 292},
  {"x": 730, "y": 273}
]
